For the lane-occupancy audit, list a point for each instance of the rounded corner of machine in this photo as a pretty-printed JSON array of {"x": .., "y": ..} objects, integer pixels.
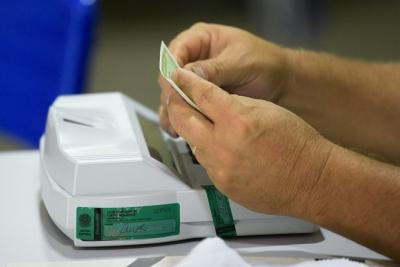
[{"x": 56, "y": 203}]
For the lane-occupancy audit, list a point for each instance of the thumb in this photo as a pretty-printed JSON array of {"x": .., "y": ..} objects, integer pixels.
[
  {"x": 216, "y": 70},
  {"x": 211, "y": 100}
]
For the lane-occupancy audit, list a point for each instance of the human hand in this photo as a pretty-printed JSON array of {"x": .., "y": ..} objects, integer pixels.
[
  {"x": 233, "y": 59},
  {"x": 257, "y": 153}
]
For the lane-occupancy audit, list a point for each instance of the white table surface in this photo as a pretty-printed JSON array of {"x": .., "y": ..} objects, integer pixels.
[{"x": 28, "y": 235}]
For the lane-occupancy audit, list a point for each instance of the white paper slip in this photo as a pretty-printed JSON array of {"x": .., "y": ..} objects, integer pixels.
[{"x": 167, "y": 65}]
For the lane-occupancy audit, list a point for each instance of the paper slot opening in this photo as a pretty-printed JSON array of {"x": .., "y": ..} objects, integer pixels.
[{"x": 77, "y": 122}]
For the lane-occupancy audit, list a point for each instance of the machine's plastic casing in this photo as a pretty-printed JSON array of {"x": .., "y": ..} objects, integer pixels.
[{"x": 94, "y": 154}]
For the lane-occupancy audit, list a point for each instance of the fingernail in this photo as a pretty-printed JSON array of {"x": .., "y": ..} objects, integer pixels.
[{"x": 199, "y": 71}]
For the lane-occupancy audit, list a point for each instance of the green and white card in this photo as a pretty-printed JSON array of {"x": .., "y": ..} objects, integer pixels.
[{"x": 167, "y": 65}]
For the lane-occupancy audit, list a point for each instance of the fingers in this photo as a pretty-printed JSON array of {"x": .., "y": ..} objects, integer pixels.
[
  {"x": 188, "y": 122},
  {"x": 202, "y": 50},
  {"x": 165, "y": 123},
  {"x": 229, "y": 68},
  {"x": 163, "y": 111},
  {"x": 192, "y": 44},
  {"x": 215, "y": 70},
  {"x": 211, "y": 100}
]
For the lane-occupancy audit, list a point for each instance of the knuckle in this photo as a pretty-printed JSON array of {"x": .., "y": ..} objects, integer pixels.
[
  {"x": 173, "y": 42},
  {"x": 164, "y": 124},
  {"x": 246, "y": 121},
  {"x": 206, "y": 96},
  {"x": 244, "y": 126},
  {"x": 161, "y": 111},
  {"x": 217, "y": 68},
  {"x": 199, "y": 24},
  {"x": 177, "y": 124}
]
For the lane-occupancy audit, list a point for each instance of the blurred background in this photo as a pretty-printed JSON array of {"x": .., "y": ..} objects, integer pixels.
[{"x": 53, "y": 47}]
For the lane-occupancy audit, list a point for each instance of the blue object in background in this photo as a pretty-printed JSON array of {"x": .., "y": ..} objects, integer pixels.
[{"x": 44, "y": 52}]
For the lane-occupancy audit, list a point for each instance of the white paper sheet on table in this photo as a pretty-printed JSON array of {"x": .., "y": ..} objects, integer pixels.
[{"x": 214, "y": 252}]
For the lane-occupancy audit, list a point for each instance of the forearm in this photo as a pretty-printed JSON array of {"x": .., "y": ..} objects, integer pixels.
[
  {"x": 359, "y": 198},
  {"x": 353, "y": 103}
]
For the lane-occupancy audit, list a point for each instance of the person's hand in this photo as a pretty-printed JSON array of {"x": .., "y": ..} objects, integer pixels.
[
  {"x": 233, "y": 59},
  {"x": 257, "y": 153}
]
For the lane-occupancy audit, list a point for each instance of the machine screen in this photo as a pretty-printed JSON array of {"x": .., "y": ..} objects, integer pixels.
[{"x": 155, "y": 142}]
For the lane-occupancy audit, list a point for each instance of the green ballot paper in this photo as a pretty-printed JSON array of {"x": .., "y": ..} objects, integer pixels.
[{"x": 167, "y": 66}]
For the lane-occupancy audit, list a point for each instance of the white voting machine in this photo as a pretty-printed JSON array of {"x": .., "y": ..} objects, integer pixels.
[{"x": 110, "y": 176}]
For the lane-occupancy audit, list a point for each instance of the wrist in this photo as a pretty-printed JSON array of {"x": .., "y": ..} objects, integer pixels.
[
  {"x": 294, "y": 59},
  {"x": 310, "y": 173},
  {"x": 272, "y": 64},
  {"x": 356, "y": 197},
  {"x": 320, "y": 200}
]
